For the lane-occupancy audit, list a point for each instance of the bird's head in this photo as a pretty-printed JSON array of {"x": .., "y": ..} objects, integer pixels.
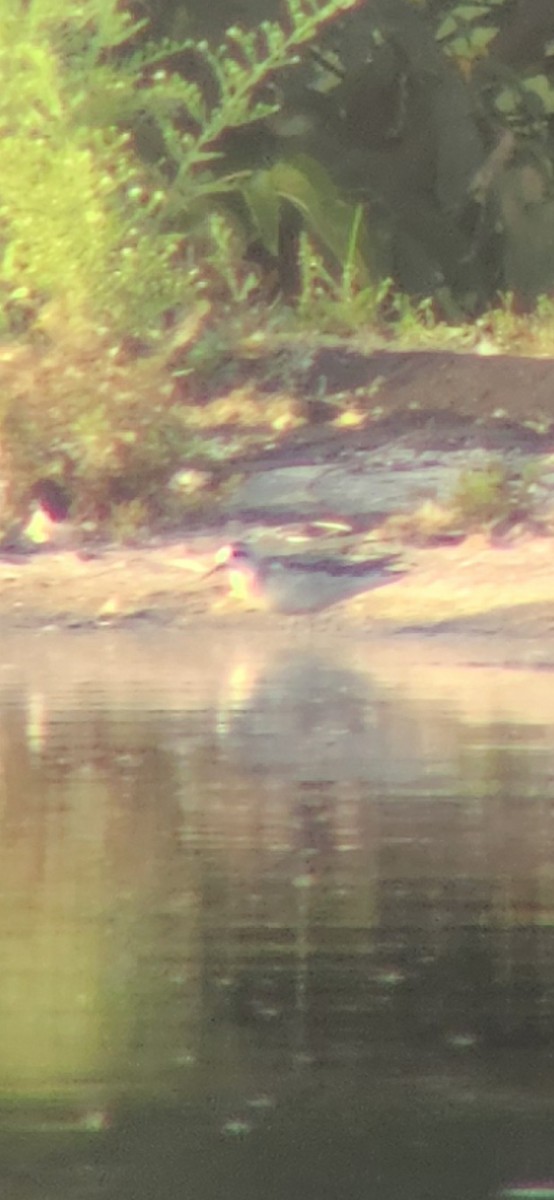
[{"x": 242, "y": 570}]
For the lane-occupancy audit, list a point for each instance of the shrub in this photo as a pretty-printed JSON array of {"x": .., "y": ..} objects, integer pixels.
[
  {"x": 86, "y": 227},
  {"x": 98, "y": 246}
]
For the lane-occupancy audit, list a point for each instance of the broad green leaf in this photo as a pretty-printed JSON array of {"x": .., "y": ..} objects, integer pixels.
[
  {"x": 507, "y": 101},
  {"x": 462, "y": 16},
  {"x": 541, "y": 87},
  {"x": 306, "y": 185},
  {"x": 263, "y": 200},
  {"x": 446, "y": 28},
  {"x": 480, "y": 37},
  {"x": 470, "y": 12},
  {"x": 461, "y": 47}
]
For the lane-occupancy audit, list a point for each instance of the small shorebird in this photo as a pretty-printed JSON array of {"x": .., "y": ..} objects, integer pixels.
[{"x": 289, "y": 585}]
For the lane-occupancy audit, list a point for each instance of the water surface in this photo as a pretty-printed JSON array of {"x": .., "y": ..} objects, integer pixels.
[{"x": 275, "y": 919}]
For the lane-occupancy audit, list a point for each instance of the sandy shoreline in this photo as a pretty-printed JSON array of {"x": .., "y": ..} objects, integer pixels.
[{"x": 476, "y": 598}]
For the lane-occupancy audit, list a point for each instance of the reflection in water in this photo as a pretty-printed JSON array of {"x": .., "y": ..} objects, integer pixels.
[{"x": 271, "y": 925}]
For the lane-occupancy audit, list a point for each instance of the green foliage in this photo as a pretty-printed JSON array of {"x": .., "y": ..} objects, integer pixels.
[
  {"x": 494, "y": 493},
  {"x": 78, "y": 223},
  {"x": 340, "y": 305},
  {"x": 87, "y": 228},
  {"x": 303, "y": 183},
  {"x": 238, "y": 68},
  {"x": 113, "y": 156},
  {"x": 467, "y": 30},
  {"x": 122, "y": 207},
  {"x": 89, "y": 249},
  {"x": 104, "y": 425}
]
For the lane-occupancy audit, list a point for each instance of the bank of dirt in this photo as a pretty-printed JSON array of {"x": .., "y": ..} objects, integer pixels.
[
  {"x": 435, "y": 412},
  {"x": 501, "y": 594}
]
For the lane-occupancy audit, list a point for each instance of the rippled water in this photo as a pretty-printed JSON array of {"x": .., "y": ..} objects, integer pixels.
[{"x": 275, "y": 920}]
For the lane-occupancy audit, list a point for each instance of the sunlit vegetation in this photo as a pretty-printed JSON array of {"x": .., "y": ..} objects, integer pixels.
[
  {"x": 176, "y": 201},
  {"x": 492, "y": 497}
]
